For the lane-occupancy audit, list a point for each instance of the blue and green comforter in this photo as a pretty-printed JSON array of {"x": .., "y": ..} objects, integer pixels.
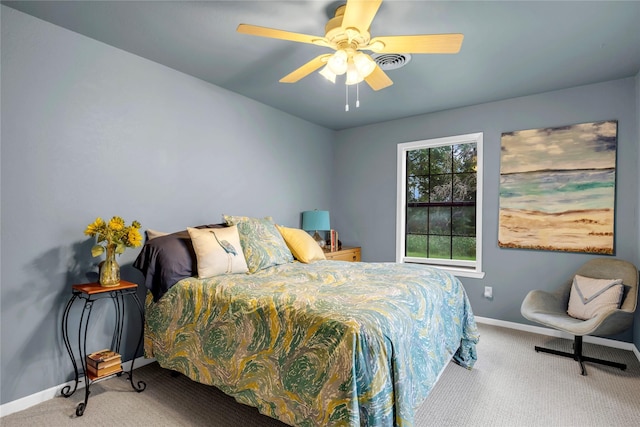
[{"x": 322, "y": 344}]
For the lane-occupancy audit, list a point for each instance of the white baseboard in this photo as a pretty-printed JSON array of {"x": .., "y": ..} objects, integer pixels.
[
  {"x": 50, "y": 393},
  {"x": 555, "y": 333}
]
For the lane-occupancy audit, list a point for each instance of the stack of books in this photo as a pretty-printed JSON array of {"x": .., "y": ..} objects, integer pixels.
[
  {"x": 103, "y": 362},
  {"x": 333, "y": 240}
]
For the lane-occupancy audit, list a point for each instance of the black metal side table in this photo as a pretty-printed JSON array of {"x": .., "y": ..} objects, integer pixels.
[{"x": 91, "y": 292}]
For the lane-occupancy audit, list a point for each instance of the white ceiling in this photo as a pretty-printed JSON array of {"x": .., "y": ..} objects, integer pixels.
[{"x": 510, "y": 49}]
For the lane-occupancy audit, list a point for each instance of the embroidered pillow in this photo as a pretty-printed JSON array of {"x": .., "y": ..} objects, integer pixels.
[
  {"x": 590, "y": 297},
  {"x": 261, "y": 241},
  {"x": 218, "y": 251},
  {"x": 301, "y": 244}
]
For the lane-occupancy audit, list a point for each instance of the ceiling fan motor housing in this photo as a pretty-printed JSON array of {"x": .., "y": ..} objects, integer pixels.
[{"x": 345, "y": 38}]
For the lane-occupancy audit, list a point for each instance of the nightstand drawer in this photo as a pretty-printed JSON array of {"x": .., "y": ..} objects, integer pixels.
[{"x": 347, "y": 253}]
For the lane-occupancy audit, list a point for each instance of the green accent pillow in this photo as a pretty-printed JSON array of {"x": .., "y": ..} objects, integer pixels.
[{"x": 262, "y": 243}]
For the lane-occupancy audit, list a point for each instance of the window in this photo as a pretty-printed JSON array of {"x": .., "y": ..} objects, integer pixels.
[{"x": 439, "y": 220}]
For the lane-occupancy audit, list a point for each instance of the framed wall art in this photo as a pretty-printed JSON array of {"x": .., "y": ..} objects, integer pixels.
[{"x": 557, "y": 188}]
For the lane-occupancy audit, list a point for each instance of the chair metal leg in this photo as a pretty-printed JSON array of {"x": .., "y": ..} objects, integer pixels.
[
  {"x": 577, "y": 351},
  {"x": 578, "y": 357},
  {"x": 620, "y": 366}
]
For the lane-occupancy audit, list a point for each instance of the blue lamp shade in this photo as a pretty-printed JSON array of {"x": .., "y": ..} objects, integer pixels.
[{"x": 316, "y": 220}]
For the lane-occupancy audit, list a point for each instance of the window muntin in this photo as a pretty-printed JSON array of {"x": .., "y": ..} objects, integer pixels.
[{"x": 440, "y": 203}]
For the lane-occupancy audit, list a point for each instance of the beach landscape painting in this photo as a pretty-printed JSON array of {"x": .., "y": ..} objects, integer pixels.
[{"x": 557, "y": 188}]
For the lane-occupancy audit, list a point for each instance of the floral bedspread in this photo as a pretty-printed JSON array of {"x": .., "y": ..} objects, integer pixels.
[{"x": 322, "y": 344}]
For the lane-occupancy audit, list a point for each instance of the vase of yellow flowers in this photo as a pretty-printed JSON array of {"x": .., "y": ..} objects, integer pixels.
[
  {"x": 110, "y": 270},
  {"x": 112, "y": 237}
]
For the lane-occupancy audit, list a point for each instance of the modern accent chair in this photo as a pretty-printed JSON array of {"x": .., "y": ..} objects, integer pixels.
[{"x": 551, "y": 309}]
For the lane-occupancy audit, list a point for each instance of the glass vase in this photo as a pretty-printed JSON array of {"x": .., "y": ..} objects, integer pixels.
[{"x": 110, "y": 271}]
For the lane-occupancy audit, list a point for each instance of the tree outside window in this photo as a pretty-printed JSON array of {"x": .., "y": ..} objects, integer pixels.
[{"x": 439, "y": 185}]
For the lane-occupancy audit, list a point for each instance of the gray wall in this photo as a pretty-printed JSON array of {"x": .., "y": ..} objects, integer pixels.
[
  {"x": 636, "y": 327},
  {"x": 364, "y": 186},
  {"x": 89, "y": 130}
]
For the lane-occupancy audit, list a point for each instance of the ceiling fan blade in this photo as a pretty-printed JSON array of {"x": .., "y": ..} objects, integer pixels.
[
  {"x": 306, "y": 69},
  {"x": 426, "y": 43},
  {"x": 378, "y": 79},
  {"x": 360, "y": 13},
  {"x": 255, "y": 30}
]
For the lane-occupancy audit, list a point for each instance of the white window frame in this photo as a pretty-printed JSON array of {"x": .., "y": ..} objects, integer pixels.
[{"x": 457, "y": 267}]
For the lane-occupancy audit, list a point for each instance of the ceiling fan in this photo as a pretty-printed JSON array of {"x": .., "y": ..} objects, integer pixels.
[{"x": 348, "y": 34}]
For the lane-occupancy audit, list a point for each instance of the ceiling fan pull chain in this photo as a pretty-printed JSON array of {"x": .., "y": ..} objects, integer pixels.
[
  {"x": 346, "y": 107},
  {"x": 357, "y": 95}
]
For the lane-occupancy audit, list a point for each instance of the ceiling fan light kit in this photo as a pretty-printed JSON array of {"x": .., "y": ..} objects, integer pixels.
[
  {"x": 328, "y": 74},
  {"x": 364, "y": 64},
  {"x": 348, "y": 34},
  {"x": 337, "y": 63},
  {"x": 356, "y": 65},
  {"x": 353, "y": 76}
]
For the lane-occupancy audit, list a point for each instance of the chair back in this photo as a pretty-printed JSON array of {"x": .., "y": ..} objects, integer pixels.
[{"x": 611, "y": 268}]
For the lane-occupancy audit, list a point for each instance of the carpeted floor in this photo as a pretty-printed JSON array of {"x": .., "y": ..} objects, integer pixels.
[{"x": 511, "y": 385}]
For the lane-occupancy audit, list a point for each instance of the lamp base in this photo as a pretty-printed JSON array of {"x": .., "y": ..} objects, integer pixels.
[{"x": 319, "y": 240}]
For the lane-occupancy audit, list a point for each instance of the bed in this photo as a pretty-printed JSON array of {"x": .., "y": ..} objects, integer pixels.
[{"x": 320, "y": 343}]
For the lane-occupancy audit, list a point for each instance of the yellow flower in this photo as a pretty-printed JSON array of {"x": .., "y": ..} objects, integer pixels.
[
  {"x": 134, "y": 237},
  {"x": 115, "y": 232},
  {"x": 116, "y": 223},
  {"x": 94, "y": 227}
]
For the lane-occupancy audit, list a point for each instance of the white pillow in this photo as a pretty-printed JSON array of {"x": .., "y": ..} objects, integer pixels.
[
  {"x": 589, "y": 297},
  {"x": 218, "y": 251}
]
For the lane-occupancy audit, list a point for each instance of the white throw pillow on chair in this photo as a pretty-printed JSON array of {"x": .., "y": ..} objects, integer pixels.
[{"x": 592, "y": 296}]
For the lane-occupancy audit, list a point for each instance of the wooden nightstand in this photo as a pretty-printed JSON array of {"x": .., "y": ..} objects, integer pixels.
[{"x": 347, "y": 253}]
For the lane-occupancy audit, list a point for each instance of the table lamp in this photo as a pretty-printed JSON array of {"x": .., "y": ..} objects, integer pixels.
[{"x": 316, "y": 220}]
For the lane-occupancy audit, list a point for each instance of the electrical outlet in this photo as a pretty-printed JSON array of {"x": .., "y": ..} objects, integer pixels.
[{"x": 488, "y": 292}]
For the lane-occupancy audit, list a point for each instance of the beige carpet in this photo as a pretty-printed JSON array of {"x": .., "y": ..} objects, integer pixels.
[{"x": 511, "y": 385}]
